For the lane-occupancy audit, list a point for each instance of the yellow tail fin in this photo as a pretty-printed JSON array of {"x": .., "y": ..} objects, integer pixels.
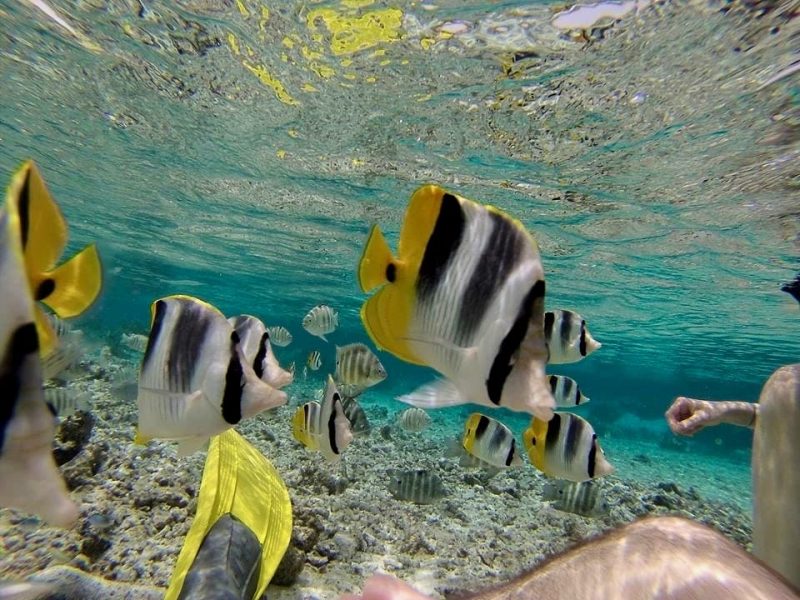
[
  {"x": 72, "y": 287},
  {"x": 239, "y": 480},
  {"x": 373, "y": 268}
]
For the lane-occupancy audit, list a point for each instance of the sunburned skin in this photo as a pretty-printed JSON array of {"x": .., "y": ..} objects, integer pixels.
[{"x": 669, "y": 558}]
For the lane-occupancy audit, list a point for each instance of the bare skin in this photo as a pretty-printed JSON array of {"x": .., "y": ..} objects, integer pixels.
[{"x": 687, "y": 416}]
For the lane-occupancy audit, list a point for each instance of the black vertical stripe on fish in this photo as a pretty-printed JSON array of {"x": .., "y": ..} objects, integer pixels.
[
  {"x": 592, "y": 455},
  {"x": 572, "y": 439},
  {"x": 497, "y": 260},
  {"x": 332, "y": 423},
  {"x": 46, "y": 287},
  {"x": 480, "y": 429},
  {"x": 155, "y": 331},
  {"x": 511, "y": 451},
  {"x": 234, "y": 386},
  {"x": 441, "y": 247},
  {"x": 24, "y": 342},
  {"x": 497, "y": 439},
  {"x": 553, "y": 384},
  {"x": 188, "y": 339},
  {"x": 566, "y": 328},
  {"x": 502, "y": 364},
  {"x": 568, "y": 389},
  {"x": 24, "y": 208},
  {"x": 258, "y": 361},
  {"x": 583, "y": 338},
  {"x": 549, "y": 319},
  {"x": 240, "y": 321},
  {"x": 553, "y": 431}
]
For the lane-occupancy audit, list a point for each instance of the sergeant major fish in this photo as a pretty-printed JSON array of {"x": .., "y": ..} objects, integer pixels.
[
  {"x": 255, "y": 343},
  {"x": 320, "y": 321},
  {"x": 465, "y": 296},
  {"x": 323, "y": 427},
  {"x": 279, "y": 335},
  {"x": 314, "y": 360},
  {"x": 584, "y": 498},
  {"x": 194, "y": 380},
  {"x": 357, "y": 368},
  {"x": 420, "y": 486}
]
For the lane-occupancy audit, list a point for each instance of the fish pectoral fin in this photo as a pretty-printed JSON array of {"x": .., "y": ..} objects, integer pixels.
[
  {"x": 436, "y": 394},
  {"x": 72, "y": 287},
  {"x": 375, "y": 260},
  {"x": 188, "y": 446},
  {"x": 322, "y": 337}
]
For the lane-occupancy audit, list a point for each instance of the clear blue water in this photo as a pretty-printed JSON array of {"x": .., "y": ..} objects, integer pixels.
[{"x": 669, "y": 224}]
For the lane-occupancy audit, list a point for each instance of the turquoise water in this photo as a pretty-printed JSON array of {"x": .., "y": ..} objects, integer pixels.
[{"x": 219, "y": 151}]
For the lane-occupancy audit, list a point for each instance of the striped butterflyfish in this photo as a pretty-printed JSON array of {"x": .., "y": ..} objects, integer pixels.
[
  {"x": 321, "y": 320},
  {"x": 357, "y": 368},
  {"x": 69, "y": 288},
  {"x": 314, "y": 360},
  {"x": 565, "y": 447},
  {"x": 323, "y": 427},
  {"x": 256, "y": 346},
  {"x": 566, "y": 391},
  {"x": 568, "y": 339},
  {"x": 490, "y": 441},
  {"x": 29, "y": 479},
  {"x": 465, "y": 296},
  {"x": 194, "y": 381}
]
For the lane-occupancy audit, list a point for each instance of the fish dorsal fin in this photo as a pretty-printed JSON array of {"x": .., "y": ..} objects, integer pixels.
[{"x": 421, "y": 215}]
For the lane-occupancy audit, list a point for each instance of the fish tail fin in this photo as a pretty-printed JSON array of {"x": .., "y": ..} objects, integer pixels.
[
  {"x": 73, "y": 286},
  {"x": 375, "y": 261}
]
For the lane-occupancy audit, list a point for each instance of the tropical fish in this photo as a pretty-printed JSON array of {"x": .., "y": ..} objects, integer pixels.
[
  {"x": 279, "y": 336},
  {"x": 68, "y": 289},
  {"x": 63, "y": 402},
  {"x": 323, "y": 427},
  {"x": 195, "y": 381},
  {"x": 566, "y": 391},
  {"x": 490, "y": 441},
  {"x": 414, "y": 419},
  {"x": 357, "y": 368},
  {"x": 421, "y": 486},
  {"x": 793, "y": 287},
  {"x": 465, "y": 296},
  {"x": 257, "y": 350},
  {"x": 584, "y": 498},
  {"x": 134, "y": 341},
  {"x": 66, "y": 355},
  {"x": 568, "y": 339},
  {"x": 321, "y": 320},
  {"x": 565, "y": 447},
  {"x": 359, "y": 424},
  {"x": 314, "y": 360},
  {"x": 29, "y": 479}
]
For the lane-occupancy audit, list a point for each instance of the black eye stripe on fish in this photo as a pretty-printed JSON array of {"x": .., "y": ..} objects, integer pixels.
[
  {"x": 511, "y": 452},
  {"x": 553, "y": 430},
  {"x": 549, "y": 319},
  {"x": 234, "y": 386},
  {"x": 500, "y": 255},
  {"x": 24, "y": 208},
  {"x": 258, "y": 361},
  {"x": 332, "y": 425},
  {"x": 22, "y": 344},
  {"x": 155, "y": 332},
  {"x": 483, "y": 423},
  {"x": 501, "y": 367},
  {"x": 583, "y": 338},
  {"x": 592, "y": 456},
  {"x": 46, "y": 287},
  {"x": 441, "y": 247}
]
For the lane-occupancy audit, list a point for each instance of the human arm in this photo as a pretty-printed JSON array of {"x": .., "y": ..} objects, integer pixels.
[{"x": 687, "y": 416}]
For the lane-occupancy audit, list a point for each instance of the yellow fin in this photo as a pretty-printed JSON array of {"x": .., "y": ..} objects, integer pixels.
[
  {"x": 75, "y": 284},
  {"x": 386, "y": 316},
  {"x": 141, "y": 440},
  {"x": 239, "y": 480},
  {"x": 47, "y": 336},
  {"x": 42, "y": 226},
  {"x": 375, "y": 261}
]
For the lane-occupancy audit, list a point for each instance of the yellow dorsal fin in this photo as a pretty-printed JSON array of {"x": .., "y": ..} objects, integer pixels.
[
  {"x": 239, "y": 480},
  {"x": 71, "y": 287},
  {"x": 420, "y": 219}
]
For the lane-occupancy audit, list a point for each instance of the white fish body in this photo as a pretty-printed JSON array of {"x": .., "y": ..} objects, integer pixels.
[
  {"x": 194, "y": 381},
  {"x": 256, "y": 346},
  {"x": 324, "y": 427},
  {"x": 566, "y": 391},
  {"x": 321, "y": 320},
  {"x": 567, "y": 336},
  {"x": 29, "y": 479},
  {"x": 490, "y": 441}
]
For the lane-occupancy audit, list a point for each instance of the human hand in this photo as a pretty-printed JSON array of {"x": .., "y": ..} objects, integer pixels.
[
  {"x": 687, "y": 416},
  {"x": 385, "y": 587}
]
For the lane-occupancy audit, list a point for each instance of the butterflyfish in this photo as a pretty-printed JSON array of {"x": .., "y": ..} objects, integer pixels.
[
  {"x": 568, "y": 338},
  {"x": 565, "y": 447},
  {"x": 490, "y": 441},
  {"x": 194, "y": 381},
  {"x": 465, "y": 296},
  {"x": 566, "y": 391},
  {"x": 323, "y": 427},
  {"x": 256, "y": 346},
  {"x": 29, "y": 479},
  {"x": 69, "y": 288}
]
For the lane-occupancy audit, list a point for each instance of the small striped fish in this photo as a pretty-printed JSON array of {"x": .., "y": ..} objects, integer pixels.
[
  {"x": 359, "y": 424},
  {"x": 414, "y": 419},
  {"x": 65, "y": 401},
  {"x": 66, "y": 355},
  {"x": 314, "y": 361},
  {"x": 321, "y": 320},
  {"x": 279, "y": 336},
  {"x": 357, "y": 368},
  {"x": 568, "y": 340},
  {"x": 566, "y": 391},
  {"x": 584, "y": 498},
  {"x": 421, "y": 486},
  {"x": 134, "y": 341},
  {"x": 59, "y": 325}
]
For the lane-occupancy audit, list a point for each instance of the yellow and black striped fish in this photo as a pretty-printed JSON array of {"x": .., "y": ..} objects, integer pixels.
[
  {"x": 568, "y": 338},
  {"x": 357, "y": 368},
  {"x": 465, "y": 296},
  {"x": 323, "y": 427},
  {"x": 29, "y": 479},
  {"x": 566, "y": 447},
  {"x": 566, "y": 391},
  {"x": 314, "y": 360},
  {"x": 69, "y": 288},
  {"x": 490, "y": 441}
]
